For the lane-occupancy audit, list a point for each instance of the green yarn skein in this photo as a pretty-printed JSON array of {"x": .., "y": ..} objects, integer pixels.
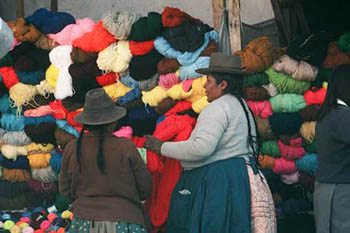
[
  {"x": 287, "y": 103},
  {"x": 256, "y": 80},
  {"x": 6, "y": 61},
  {"x": 270, "y": 148},
  {"x": 285, "y": 84},
  {"x": 147, "y": 28}
]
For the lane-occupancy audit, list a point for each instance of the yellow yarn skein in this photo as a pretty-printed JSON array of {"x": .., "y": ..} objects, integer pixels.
[{"x": 39, "y": 160}]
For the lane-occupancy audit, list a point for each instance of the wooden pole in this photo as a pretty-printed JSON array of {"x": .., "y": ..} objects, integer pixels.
[
  {"x": 217, "y": 10},
  {"x": 53, "y": 5},
  {"x": 234, "y": 20},
  {"x": 19, "y": 8},
  {"x": 234, "y": 24}
]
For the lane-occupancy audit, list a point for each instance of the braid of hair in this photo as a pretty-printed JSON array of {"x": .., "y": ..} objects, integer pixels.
[
  {"x": 100, "y": 157},
  {"x": 252, "y": 139},
  {"x": 79, "y": 140}
]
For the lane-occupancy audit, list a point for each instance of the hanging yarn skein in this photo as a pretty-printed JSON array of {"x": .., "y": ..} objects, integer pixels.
[{"x": 60, "y": 57}]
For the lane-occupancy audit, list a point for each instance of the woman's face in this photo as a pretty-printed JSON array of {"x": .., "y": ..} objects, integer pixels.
[{"x": 214, "y": 90}]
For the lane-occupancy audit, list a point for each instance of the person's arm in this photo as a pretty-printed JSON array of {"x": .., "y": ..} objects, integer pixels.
[
  {"x": 65, "y": 178},
  {"x": 211, "y": 124},
  {"x": 143, "y": 178}
]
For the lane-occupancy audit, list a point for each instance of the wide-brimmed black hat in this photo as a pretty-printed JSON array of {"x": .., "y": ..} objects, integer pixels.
[
  {"x": 99, "y": 109},
  {"x": 223, "y": 63}
]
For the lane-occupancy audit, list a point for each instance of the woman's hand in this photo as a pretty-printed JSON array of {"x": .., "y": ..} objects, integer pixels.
[{"x": 153, "y": 144}]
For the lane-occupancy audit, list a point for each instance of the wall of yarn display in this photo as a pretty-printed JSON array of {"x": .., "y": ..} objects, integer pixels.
[{"x": 147, "y": 64}]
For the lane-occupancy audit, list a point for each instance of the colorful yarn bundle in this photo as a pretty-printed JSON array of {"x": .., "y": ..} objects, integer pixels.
[
  {"x": 293, "y": 151},
  {"x": 22, "y": 94},
  {"x": 260, "y": 108},
  {"x": 286, "y": 84},
  {"x": 10, "y": 122},
  {"x": 315, "y": 96},
  {"x": 20, "y": 163},
  {"x": 39, "y": 160},
  {"x": 308, "y": 164},
  {"x": 258, "y": 55},
  {"x": 79, "y": 56},
  {"x": 55, "y": 160},
  {"x": 107, "y": 79},
  {"x": 31, "y": 78},
  {"x": 299, "y": 70},
  {"x": 119, "y": 23},
  {"x": 15, "y": 175},
  {"x": 168, "y": 80},
  {"x": 264, "y": 128},
  {"x": 46, "y": 175},
  {"x": 307, "y": 131},
  {"x": 116, "y": 57},
  {"x": 270, "y": 148},
  {"x": 94, "y": 41},
  {"x": 44, "y": 88},
  {"x": 45, "y": 43},
  {"x": 284, "y": 166},
  {"x": 35, "y": 147},
  {"x": 167, "y": 65},
  {"x": 11, "y": 152},
  {"x": 8, "y": 76},
  {"x": 310, "y": 113},
  {"x": 256, "y": 93},
  {"x": 287, "y": 103},
  {"x": 60, "y": 57},
  {"x": 16, "y": 138},
  {"x": 73, "y": 31},
  {"x": 141, "y": 48}
]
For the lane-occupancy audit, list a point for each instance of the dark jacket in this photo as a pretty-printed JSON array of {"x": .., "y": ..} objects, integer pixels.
[
  {"x": 333, "y": 145},
  {"x": 114, "y": 196}
]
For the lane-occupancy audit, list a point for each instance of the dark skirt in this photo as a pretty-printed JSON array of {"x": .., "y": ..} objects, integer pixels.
[{"x": 212, "y": 199}]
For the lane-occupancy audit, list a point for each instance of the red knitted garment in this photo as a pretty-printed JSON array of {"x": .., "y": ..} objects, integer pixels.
[{"x": 173, "y": 128}]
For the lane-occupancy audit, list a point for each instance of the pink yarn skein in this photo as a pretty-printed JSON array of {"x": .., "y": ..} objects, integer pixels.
[
  {"x": 284, "y": 166},
  {"x": 262, "y": 109}
]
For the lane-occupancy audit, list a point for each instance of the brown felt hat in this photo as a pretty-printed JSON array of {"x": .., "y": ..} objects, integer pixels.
[
  {"x": 223, "y": 63},
  {"x": 99, "y": 109}
]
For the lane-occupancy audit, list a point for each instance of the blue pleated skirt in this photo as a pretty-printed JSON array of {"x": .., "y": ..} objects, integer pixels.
[{"x": 212, "y": 199}]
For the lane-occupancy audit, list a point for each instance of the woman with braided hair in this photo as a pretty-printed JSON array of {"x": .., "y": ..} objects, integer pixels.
[
  {"x": 103, "y": 175},
  {"x": 221, "y": 188}
]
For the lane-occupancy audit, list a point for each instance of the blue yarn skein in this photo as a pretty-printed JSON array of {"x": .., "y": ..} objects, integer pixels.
[
  {"x": 37, "y": 120},
  {"x": 130, "y": 96},
  {"x": 55, "y": 161},
  {"x": 129, "y": 81},
  {"x": 68, "y": 128},
  {"x": 32, "y": 77},
  {"x": 5, "y": 106},
  {"x": 308, "y": 163},
  {"x": 11, "y": 122}
]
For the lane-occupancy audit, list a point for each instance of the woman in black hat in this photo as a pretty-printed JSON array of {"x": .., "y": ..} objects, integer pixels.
[
  {"x": 102, "y": 174},
  {"x": 221, "y": 189}
]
